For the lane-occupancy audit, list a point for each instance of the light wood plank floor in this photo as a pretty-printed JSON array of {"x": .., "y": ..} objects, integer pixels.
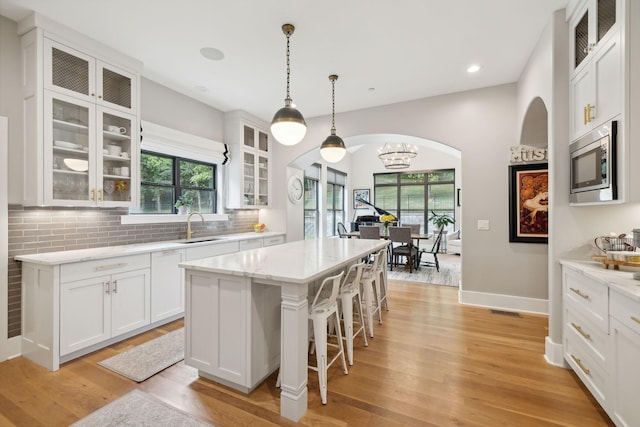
[{"x": 432, "y": 362}]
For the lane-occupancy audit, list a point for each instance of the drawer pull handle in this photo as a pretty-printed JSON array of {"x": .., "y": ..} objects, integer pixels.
[
  {"x": 115, "y": 286},
  {"x": 110, "y": 266},
  {"x": 577, "y": 291},
  {"x": 635, "y": 319},
  {"x": 579, "y": 329},
  {"x": 579, "y": 362},
  {"x": 107, "y": 287}
]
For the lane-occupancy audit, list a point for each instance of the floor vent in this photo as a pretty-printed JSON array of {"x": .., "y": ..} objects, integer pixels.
[{"x": 506, "y": 313}]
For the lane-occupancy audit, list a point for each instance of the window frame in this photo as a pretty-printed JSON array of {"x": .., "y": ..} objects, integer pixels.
[
  {"x": 399, "y": 185},
  {"x": 175, "y": 185}
]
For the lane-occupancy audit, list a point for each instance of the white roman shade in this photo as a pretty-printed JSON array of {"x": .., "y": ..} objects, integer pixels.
[{"x": 164, "y": 140}]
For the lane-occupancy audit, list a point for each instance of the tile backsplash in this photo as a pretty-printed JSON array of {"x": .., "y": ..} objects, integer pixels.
[{"x": 39, "y": 230}]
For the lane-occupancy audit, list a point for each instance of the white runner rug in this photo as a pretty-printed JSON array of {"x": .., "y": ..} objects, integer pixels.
[
  {"x": 138, "y": 408},
  {"x": 449, "y": 274},
  {"x": 146, "y": 360}
]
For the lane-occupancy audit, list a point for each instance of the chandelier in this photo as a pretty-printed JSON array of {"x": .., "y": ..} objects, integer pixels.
[{"x": 397, "y": 156}]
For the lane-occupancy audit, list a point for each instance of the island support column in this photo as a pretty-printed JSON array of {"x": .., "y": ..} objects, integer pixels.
[{"x": 293, "y": 350}]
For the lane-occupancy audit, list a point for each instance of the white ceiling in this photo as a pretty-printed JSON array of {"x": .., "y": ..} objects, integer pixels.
[{"x": 383, "y": 51}]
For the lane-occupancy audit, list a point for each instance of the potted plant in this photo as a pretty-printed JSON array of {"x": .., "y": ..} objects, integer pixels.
[
  {"x": 184, "y": 203},
  {"x": 441, "y": 221}
]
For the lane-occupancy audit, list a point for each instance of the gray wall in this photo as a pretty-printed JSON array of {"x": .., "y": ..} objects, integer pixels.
[{"x": 482, "y": 125}]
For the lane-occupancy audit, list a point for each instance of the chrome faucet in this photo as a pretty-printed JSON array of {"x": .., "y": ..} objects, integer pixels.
[{"x": 189, "y": 232}]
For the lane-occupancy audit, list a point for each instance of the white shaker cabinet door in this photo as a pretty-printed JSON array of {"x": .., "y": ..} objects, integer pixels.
[
  {"x": 85, "y": 313},
  {"x": 131, "y": 301},
  {"x": 167, "y": 288}
]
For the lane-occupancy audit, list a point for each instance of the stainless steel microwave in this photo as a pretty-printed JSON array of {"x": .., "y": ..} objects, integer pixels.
[{"x": 593, "y": 165}]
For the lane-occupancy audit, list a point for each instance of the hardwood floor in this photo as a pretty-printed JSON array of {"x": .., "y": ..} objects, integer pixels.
[{"x": 432, "y": 362}]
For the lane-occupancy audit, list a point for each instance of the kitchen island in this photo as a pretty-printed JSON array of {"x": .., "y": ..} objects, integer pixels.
[{"x": 246, "y": 313}]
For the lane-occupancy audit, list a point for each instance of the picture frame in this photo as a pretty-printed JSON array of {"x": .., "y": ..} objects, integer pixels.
[
  {"x": 529, "y": 203},
  {"x": 361, "y": 193}
]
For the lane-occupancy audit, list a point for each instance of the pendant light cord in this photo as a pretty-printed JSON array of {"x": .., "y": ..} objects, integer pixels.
[
  {"x": 333, "y": 104},
  {"x": 288, "y": 98}
]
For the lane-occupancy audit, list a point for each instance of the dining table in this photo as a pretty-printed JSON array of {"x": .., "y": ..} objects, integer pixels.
[{"x": 246, "y": 313}]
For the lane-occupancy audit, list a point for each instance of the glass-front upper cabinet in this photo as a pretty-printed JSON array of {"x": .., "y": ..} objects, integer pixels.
[
  {"x": 76, "y": 74},
  {"x": 68, "y": 142},
  {"x": 590, "y": 25},
  {"x": 88, "y": 154}
]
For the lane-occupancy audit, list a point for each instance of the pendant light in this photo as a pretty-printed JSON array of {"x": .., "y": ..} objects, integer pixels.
[
  {"x": 332, "y": 149},
  {"x": 288, "y": 126}
]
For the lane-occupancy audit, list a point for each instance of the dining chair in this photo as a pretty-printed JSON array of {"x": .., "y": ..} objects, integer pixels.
[
  {"x": 342, "y": 230},
  {"x": 433, "y": 251},
  {"x": 349, "y": 297},
  {"x": 406, "y": 249},
  {"x": 323, "y": 308},
  {"x": 370, "y": 232},
  {"x": 415, "y": 229}
]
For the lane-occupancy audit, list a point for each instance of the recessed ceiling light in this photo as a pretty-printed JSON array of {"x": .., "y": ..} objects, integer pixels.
[
  {"x": 372, "y": 89},
  {"x": 473, "y": 68},
  {"x": 212, "y": 53}
]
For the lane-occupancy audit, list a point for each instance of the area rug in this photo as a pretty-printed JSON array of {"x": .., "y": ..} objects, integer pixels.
[
  {"x": 146, "y": 360},
  {"x": 138, "y": 408},
  {"x": 449, "y": 274}
]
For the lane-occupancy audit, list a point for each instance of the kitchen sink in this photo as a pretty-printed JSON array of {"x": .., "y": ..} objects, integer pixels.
[{"x": 199, "y": 239}]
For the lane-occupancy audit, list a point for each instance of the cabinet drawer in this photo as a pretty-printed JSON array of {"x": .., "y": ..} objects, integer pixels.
[
  {"x": 592, "y": 374},
  {"x": 89, "y": 269},
  {"x": 588, "y": 296},
  {"x": 218, "y": 248},
  {"x": 275, "y": 240},
  {"x": 595, "y": 338},
  {"x": 250, "y": 244},
  {"x": 625, "y": 310}
]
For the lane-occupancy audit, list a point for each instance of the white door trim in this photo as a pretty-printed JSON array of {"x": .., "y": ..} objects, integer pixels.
[{"x": 9, "y": 347}]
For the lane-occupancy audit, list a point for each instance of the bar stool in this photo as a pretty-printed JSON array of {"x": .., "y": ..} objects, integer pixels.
[
  {"x": 371, "y": 288},
  {"x": 348, "y": 296},
  {"x": 323, "y": 308}
]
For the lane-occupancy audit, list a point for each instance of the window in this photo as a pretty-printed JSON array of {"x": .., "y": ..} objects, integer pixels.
[
  {"x": 311, "y": 208},
  {"x": 412, "y": 196},
  {"x": 164, "y": 179},
  {"x": 335, "y": 200}
]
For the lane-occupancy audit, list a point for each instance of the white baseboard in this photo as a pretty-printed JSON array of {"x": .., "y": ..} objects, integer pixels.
[
  {"x": 504, "y": 302},
  {"x": 554, "y": 354}
]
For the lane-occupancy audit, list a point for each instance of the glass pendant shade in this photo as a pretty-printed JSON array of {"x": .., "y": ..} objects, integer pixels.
[
  {"x": 288, "y": 126},
  {"x": 333, "y": 149}
]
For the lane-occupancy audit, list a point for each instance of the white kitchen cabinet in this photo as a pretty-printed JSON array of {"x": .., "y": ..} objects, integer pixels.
[
  {"x": 586, "y": 340},
  {"x": 94, "y": 309},
  {"x": 81, "y": 119},
  {"x": 167, "y": 284},
  {"x": 72, "y": 72},
  {"x": 625, "y": 372},
  {"x": 273, "y": 240},
  {"x": 217, "y": 248},
  {"x": 234, "y": 329},
  {"x": 591, "y": 22},
  {"x": 596, "y": 91},
  {"x": 249, "y": 169}
]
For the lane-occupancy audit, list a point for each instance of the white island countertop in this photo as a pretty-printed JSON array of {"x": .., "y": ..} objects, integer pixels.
[
  {"x": 78, "y": 255},
  {"x": 620, "y": 280},
  {"x": 294, "y": 262}
]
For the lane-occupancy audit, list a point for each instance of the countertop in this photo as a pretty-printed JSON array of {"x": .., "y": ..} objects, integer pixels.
[
  {"x": 65, "y": 257},
  {"x": 619, "y": 280},
  {"x": 296, "y": 262}
]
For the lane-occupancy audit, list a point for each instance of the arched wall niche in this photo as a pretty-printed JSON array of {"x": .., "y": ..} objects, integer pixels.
[{"x": 534, "y": 126}]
